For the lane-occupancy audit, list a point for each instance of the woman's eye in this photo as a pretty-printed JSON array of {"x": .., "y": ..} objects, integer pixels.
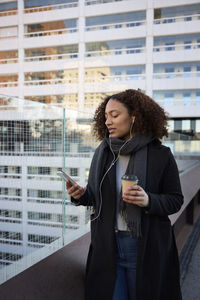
[{"x": 115, "y": 116}]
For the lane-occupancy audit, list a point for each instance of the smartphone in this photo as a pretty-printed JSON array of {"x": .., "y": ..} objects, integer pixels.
[{"x": 64, "y": 176}]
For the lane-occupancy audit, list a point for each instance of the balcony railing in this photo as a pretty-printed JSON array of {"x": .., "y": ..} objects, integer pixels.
[
  {"x": 177, "y": 47},
  {"x": 115, "y": 78},
  {"x": 8, "y": 84},
  {"x": 8, "y": 61},
  {"x": 51, "y": 81},
  {"x": 116, "y": 25},
  {"x": 8, "y": 12},
  {"x": 50, "y": 32},
  {"x": 50, "y": 7},
  {"x": 116, "y": 52},
  {"x": 92, "y": 2},
  {"x": 177, "y": 19},
  {"x": 34, "y": 131},
  {"x": 174, "y": 75},
  {"x": 51, "y": 57},
  {"x": 178, "y": 102},
  {"x": 8, "y": 35}
]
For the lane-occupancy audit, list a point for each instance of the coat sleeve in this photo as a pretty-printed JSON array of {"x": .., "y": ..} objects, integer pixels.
[
  {"x": 170, "y": 200},
  {"x": 86, "y": 199}
]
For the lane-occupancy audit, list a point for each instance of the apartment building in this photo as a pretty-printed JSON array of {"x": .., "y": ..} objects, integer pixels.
[{"x": 69, "y": 54}]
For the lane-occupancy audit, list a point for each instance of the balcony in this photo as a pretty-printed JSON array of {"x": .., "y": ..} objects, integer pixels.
[
  {"x": 176, "y": 25},
  {"x": 51, "y": 62},
  {"x": 98, "y": 7},
  {"x": 50, "y": 12},
  {"x": 114, "y": 83},
  {"x": 176, "y": 80},
  {"x": 9, "y": 17},
  {"x": 116, "y": 31},
  {"x": 45, "y": 229},
  {"x": 176, "y": 53},
  {"x": 55, "y": 86},
  {"x": 50, "y": 38},
  {"x": 9, "y": 88},
  {"x": 98, "y": 58}
]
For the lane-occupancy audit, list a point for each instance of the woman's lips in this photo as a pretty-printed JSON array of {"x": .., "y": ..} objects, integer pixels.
[{"x": 111, "y": 130}]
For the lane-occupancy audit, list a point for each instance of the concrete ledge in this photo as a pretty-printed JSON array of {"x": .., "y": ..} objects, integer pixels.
[{"x": 57, "y": 277}]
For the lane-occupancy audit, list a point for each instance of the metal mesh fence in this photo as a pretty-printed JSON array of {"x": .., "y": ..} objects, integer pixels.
[{"x": 37, "y": 140}]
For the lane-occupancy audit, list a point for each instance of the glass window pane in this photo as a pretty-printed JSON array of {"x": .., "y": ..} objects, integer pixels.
[
  {"x": 116, "y": 18},
  {"x": 186, "y": 125}
]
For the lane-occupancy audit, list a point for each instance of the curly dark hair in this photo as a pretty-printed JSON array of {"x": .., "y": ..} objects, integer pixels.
[{"x": 150, "y": 118}]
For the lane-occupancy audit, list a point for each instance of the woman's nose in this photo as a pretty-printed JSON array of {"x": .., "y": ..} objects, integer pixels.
[{"x": 108, "y": 121}]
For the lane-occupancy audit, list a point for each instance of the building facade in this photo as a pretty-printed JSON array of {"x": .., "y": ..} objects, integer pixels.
[{"x": 71, "y": 54}]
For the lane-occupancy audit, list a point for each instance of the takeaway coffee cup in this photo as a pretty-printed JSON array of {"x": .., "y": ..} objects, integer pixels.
[{"x": 128, "y": 180}]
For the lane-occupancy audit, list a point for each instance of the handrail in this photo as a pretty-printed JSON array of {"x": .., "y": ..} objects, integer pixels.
[
  {"x": 50, "y": 7},
  {"x": 51, "y": 81},
  {"x": 8, "y": 83},
  {"x": 50, "y": 32},
  {"x": 8, "y": 12},
  {"x": 92, "y": 2},
  {"x": 51, "y": 57},
  {"x": 177, "y": 18},
  {"x": 175, "y": 47},
  {"x": 8, "y": 60},
  {"x": 114, "y": 78},
  {"x": 178, "y": 102},
  {"x": 173, "y": 75},
  {"x": 116, "y": 51},
  {"x": 8, "y": 36},
  {"x": 115, "y": 25}
]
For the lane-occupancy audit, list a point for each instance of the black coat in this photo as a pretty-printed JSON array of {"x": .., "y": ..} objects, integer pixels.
[{"x": 158, "y": 264}]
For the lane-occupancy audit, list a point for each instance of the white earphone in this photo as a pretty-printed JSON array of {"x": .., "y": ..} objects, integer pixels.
[{"x": 111, "y": 165}]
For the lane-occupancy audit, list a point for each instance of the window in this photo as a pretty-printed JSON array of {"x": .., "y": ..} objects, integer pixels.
[
  {"x": 186, "y": 125},
  {"x": 118, "y": 51},
  {"x": 8, "y": 6},
  {"x": 35, "y": 3},
  {"x": 74, "y": 172},
  {"x": 43, "y": 239},
  {"x": 116, "y": 18},
  {"x": 198, "y": 126},
  {"x": 187, "y": 70},
  {"x": 198, "y": 71},
  {"x": 184, "y": 10},
  {"x": 188, "y": 18},
  {"x": 44, "y": 216},
  {"x": 169, "y": 71},
  {"x": 11, "y": 213},
  {"x": 187, "y": 45},
  {"x": 169, "y": 99},
  {"x": 178, "y": 125},
  {"x": 169, "y": 46},
  {"x": 170, "y": 125},
  {"x": 197, "y": 98},
  {"x": 186, "y": 98},
  {"x": 10, "y": 256}
]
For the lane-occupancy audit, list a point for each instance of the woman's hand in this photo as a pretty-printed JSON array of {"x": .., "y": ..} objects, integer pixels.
[
  {"x": 76, "y": 191},
  {"x": 136, "y": 195}
]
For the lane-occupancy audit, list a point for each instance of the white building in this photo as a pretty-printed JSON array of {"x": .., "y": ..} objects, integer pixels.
[{"x": 73, "y": 53}]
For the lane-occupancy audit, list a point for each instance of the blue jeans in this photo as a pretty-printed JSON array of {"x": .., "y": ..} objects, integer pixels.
[{"x": 125, "y": 285}]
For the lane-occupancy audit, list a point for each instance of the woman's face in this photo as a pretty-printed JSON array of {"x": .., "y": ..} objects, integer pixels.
[{"x": 118, "y": 120}]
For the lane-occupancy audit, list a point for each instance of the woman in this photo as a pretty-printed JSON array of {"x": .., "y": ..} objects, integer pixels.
[{"x": 133, "y": 254}]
